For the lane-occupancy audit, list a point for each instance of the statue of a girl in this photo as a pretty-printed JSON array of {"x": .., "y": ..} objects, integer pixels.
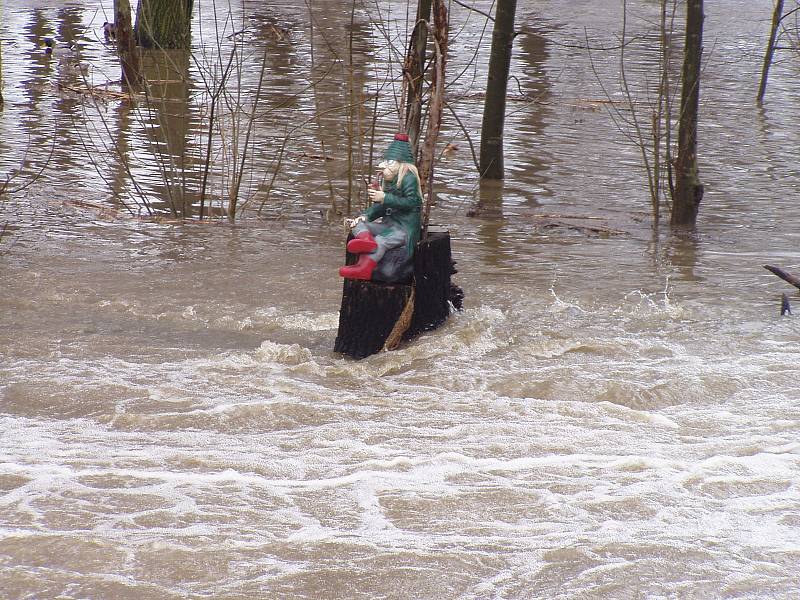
[{"x": 386, "y": 234}]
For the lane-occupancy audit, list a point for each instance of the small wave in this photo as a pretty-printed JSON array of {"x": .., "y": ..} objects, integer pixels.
[
  {"x": 640, "y": 416},
  {"x": 286, "y": 354}
]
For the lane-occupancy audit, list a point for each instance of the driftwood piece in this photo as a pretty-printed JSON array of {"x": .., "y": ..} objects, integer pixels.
[
  {"x": 98, "y": 92},
  {"x": 585, "y": 224},
  {"x": 579, "y": 224},
  {"x": 795, "y": 281},
  {"x": 371, "y": 310}
]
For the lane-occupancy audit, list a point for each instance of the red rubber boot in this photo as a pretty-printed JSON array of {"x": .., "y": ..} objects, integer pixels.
[
  {"x": 362, "y": 243},
  {"x": 361, "y": 270}
]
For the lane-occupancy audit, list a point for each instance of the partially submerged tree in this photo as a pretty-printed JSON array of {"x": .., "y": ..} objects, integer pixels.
[
  {"x": 441, "y": 34},
  {"x": 164, "y": 24},
  {"x": 688, "y": 189},
  {"x": 1, "y": 70},
  {"x": 126, "y": 43},
  {"x": 494, "y": 111},
  {"x": 777, "y": 17},
  {"x": 647, "y": 125},
  {"x": 415, "y": 70}
]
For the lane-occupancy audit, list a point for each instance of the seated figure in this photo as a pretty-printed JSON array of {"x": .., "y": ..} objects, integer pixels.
[{"x": 386, "y": 234}]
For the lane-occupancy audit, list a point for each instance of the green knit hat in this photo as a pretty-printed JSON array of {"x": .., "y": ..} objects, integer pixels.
[{"x": 399, "y": 149}]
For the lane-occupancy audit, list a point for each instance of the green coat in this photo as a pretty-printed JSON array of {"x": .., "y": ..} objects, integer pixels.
[{"x": 401, "y": 207}]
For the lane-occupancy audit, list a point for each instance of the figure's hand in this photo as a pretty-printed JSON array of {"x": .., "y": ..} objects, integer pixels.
[
  {"x": 376, "y": 195},
  {"x": 350, "y": 223}
]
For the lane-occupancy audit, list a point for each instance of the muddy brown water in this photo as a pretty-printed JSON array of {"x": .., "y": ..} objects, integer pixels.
[{"x": 612, "y": 415}]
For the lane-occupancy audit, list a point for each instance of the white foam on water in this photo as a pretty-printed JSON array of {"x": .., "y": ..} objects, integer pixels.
[
  {"x": 282, "y": 353},
  {"x": 311, "y": 321}
]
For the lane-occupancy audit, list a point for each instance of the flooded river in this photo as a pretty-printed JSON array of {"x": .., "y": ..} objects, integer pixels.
[{"x": 614, "y": 414}]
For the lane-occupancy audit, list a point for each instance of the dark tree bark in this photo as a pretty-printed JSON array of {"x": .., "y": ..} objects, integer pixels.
[
  {"x": 370, "y": 310},
  {"x": 433, "y": 266},
  {"x": 1, "y": 72},
  {"x": 494, "y": 110},
  {"x": 368, "y": 315},
  {"x": 414, "y": 72},
  {"x": 126, "y": 44},
  {"x": 441, "y": 41},
  {"x": 777, "y": 15},
  {"x": 164, "y": 24},
  {"x": 688, "y": 189}
]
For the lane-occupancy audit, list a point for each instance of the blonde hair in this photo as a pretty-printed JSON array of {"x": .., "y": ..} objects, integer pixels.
[{"x": 405, "y": 168}]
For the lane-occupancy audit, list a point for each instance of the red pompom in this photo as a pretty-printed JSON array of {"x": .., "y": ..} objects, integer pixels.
[{"x": 401, "y": 137}]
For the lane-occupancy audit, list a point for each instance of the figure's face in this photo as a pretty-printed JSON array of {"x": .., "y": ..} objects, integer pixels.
[{"x": 390, "y": 169}]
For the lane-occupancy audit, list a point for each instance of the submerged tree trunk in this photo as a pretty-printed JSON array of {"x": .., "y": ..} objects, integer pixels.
[
  {"x": 164, "y": 24},
  {"x": 777, "y": 15},
  {"x": 688, "y": 189},
  {"x": 494, "y": 110},
  {"x": 1, "y": 71},
  {"x": 415, "y": 71},
  {"x": 126, "y": 44},
  {"x": 441, "y": 37}
]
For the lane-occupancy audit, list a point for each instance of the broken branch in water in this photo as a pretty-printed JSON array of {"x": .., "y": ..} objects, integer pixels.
[
  {"x": 101, "y": 93},
  {"x": 785, "y": 306},
  {"x": 795, "y": 281},
  {"x": 575, "y": 223}
]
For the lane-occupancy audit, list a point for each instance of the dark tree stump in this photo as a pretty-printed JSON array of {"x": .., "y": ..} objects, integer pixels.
[
  {"x": 370, "y": 309},
  {"x": 433, "y": 266}
]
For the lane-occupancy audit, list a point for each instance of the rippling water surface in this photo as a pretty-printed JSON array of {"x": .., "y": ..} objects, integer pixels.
[{"x": 612, "y": 415}]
